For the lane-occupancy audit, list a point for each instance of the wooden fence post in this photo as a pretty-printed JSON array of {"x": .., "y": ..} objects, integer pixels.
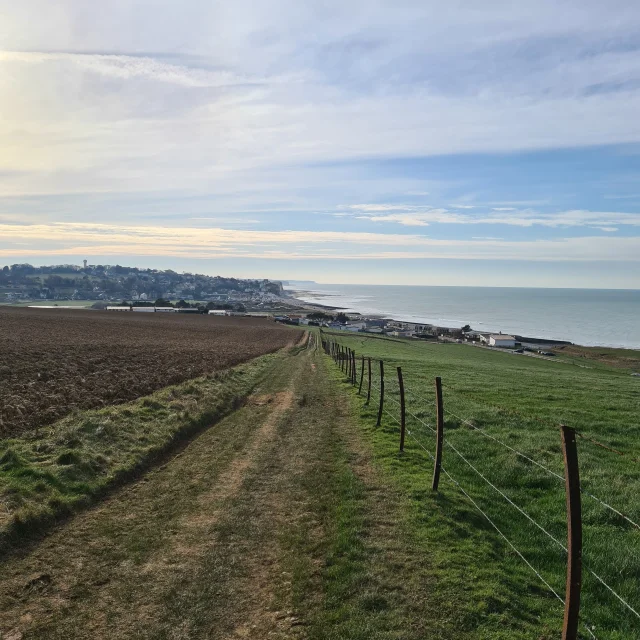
[
  {"x": 574, "y": 534},
  {"x": 361, "y": 376},
  {"x": 342, "y": 362},
  {"x": 439, "y": 435},
  {"x": 381, "y": 393},
  {"x": 369, "y": 381},
  {"x": 354, "y": 369},
  {"x": 402, "y": 409}
]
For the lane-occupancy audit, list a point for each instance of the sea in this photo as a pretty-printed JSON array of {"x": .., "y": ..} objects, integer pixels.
[{"x": 589, "y": 317}]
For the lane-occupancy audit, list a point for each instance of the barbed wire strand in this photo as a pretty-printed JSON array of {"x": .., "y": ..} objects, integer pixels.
[
  {"x": 524, "y": 513},
  {"x": 420, "y": 421},
  {"x": 506, "y": 497},
  {"x": 492, "y": 523},
  {"x": 504, "y": 444},
  {"x": 553, "y": 473},
  {"x": 475, "y": 504},
  {"x": 417, "y": 396},
  {"x": 607, "y": 447}
]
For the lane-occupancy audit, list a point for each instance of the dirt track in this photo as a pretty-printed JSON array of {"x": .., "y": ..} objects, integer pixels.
[{"x": 55, "y": 361}]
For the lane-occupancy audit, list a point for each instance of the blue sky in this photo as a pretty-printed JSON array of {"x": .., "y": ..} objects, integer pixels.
[{"x": 376, "y": 142}]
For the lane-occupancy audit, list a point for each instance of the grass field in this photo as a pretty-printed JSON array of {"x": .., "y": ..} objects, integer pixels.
[{"x": 522, "y": 401}]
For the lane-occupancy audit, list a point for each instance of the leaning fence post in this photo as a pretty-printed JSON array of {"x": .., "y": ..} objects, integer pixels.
[
  {"x": 348, "y": 372},
  {"x": 354, "y": 368},
  {"x": 402, "y": 409},
  {"x": 369, "y": 380},
  {"x": 574, "y": 534},
  {"x": 361, "y": 376},
  {"x": 439, "y": 435},
  {"x": 342, "y": 362},
  {"x": 381, "y": 393}
]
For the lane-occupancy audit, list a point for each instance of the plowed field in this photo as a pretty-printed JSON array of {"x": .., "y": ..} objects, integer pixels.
[{"x": 55, "y": 361}]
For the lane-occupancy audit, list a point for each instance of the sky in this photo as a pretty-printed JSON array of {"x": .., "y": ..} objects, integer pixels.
[{"x": 346, "y": 141}]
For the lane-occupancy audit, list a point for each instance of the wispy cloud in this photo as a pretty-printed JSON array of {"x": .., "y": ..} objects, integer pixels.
[
  {"x": 509, "y": 216},
  {"x": 127, "y": 67},
  {"x": 80, "y": 239}
]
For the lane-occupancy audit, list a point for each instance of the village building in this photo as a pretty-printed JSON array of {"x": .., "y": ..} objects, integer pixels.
[{"x": 500, "y": 340}]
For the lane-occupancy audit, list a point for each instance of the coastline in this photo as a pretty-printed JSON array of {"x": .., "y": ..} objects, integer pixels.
[{"x": 400, "y": 317}]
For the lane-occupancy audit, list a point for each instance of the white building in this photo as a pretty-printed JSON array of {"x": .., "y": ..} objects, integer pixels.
[{"x": 500, "y": 340}]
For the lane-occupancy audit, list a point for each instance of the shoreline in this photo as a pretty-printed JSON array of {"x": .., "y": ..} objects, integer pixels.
[{"x": 293, "y": 293}]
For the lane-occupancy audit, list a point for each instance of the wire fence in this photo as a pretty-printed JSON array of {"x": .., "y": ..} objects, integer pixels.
[{"x": 419, "y": 418}]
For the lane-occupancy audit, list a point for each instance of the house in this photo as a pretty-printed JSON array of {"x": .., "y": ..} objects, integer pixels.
[
  {"x": 218, "y": 312},
  {"x": 402, "y": 334},
  {"x": 500, "y": 340}
]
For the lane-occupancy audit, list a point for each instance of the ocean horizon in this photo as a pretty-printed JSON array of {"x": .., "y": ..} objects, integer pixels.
[{"x": 589, "y": 317}]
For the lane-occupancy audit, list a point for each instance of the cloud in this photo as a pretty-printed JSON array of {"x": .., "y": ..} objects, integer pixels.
[
  {"x": 127, "y": 67},
  {"x": 83, "y": 239},
  {"x": 508, "y": 216}
]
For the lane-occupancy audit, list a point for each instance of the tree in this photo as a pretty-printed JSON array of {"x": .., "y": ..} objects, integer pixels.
[
  {"x": 161, "y": 302},
  {"x": 181, "y": 304},
  {"x": 342, "y": 318},
  {"x": 465, "y": 328},
  {"x": 241, "y": 308},
  {"x": 319, "y": 315}
]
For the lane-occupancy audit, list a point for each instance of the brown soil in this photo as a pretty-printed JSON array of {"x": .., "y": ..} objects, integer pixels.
[{"x": 55, "y": 361}]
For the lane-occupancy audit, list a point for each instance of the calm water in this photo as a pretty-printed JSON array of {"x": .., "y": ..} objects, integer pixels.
[{"x": 604, "y": 317}]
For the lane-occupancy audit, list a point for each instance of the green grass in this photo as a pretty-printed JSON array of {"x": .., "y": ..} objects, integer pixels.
[
  {"x": 521, "y": 401},
  {"x": 69, "y": 464}
]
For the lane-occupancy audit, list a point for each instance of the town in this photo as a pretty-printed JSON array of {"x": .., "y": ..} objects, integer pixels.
[{"x": 103, "y": 285}]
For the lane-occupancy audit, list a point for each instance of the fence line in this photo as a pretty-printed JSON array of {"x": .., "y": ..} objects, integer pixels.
[
  {"x": 571, "y": 602},
  {"x": 475, "y": 504},
  {"x": 541, "y": 466}
]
